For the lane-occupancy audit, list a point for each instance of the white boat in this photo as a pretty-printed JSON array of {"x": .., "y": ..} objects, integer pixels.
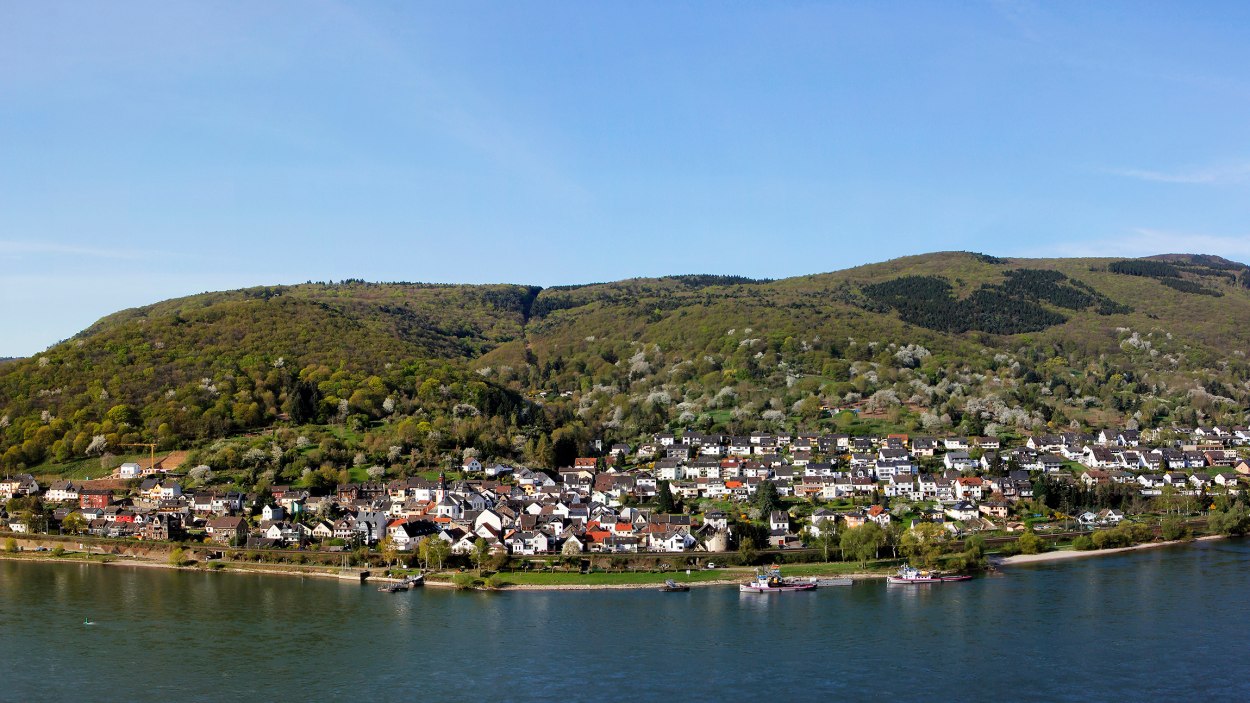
[
  {"x": 908, "y": 574},
  {"x": 770, "y": 581}
]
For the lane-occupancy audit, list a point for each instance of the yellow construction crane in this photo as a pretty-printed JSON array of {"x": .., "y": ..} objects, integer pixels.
[{"x": 152, "y": 449}]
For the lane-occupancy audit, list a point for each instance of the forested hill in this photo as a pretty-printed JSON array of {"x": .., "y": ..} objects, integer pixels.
[{"x": 939, "y": 342}]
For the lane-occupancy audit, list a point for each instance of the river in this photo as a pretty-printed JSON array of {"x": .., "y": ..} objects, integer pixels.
[{"x": 1161, "y": 624}]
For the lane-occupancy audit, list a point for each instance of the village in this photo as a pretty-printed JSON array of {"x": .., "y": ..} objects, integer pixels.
[{"x": 673, "y": 493}]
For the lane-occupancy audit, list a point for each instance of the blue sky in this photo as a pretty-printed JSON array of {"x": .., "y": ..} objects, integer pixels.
[{"x": 149, "y": 150}]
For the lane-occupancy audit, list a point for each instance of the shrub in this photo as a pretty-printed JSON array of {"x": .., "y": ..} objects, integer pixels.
[
  {"x": 494, "y": 582},
  {"x": 1229, "y": 522},
  {"x": 58, "y": 552},
  {"x": 1083, "y": 543},
  {"x": 464, "y": 581},
  {"x": 1030, "y": 543},
  {"x": 1174, "y": 529},
  {"x": 10, "y": 545},
  {"x": 1103, "y": 539}
]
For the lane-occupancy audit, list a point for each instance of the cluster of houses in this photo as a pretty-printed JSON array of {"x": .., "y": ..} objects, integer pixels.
[
  {"x": 531, "y": 513},
  {"x": 971, "y": 484}
]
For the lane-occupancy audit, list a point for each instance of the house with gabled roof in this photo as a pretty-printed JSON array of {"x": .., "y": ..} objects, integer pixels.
[{"x": 226, "y": 530}]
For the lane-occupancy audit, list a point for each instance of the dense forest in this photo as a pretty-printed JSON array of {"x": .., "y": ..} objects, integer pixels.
[
  {"x": 1011, "y": 307},
  {"x": 306, "y": 381}
]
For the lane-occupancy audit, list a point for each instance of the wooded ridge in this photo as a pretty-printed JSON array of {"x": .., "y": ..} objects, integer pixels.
[{"x": 951, "y": 341}]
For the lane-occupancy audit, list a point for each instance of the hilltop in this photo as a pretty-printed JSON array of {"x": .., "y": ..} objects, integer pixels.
[{"x": 406, "y": 373}]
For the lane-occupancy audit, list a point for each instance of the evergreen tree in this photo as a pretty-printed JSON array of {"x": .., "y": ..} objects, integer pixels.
[
  {"x": 664, "y": 498},
  {"x": 767, "y": 499}
]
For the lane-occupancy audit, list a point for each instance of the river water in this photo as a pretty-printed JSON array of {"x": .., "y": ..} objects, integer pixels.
[{"x": 1161, "y": 624}]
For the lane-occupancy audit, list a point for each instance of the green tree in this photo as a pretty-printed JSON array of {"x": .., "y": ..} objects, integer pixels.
[
  {"x": 861, "y": 543},
  {"x": 767, "y": 499},
  {"x": 1030, "y": 543},
  {"x": 747, "y": 551},
  {"x": 389, "y": 550},
  {"x": 480, "y": 553},
  {"x": 74, "y": 524},
  {"x": 973, "y": 556},
  {"x": 1174, "y": 528},
  {"x": 925, "y": 544},
  {"x": 1233, "y": 522},
  {"x": 826, "y": 536},
  {"x": 177, "y": 557},
  {"x": 10, "y": 545},
  {"x": 664, "y": 498},
  {"x": 434, "y": 550}
]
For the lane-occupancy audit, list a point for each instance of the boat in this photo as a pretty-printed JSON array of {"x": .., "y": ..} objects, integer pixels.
[
  {"x": 87, "y": 621},
  {"x": 771, "y": 581},
  {"x": 908, "y": 574},
  {"x": 407, "y": 583},
  {"x": 671, "y": 586}
]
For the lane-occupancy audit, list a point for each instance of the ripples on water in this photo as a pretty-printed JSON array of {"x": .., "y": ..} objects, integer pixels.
[{"x": 1161, "y": 624}]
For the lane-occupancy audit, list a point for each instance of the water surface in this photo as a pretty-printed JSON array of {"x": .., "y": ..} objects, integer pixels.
[{"x": 1160, "y": 624}]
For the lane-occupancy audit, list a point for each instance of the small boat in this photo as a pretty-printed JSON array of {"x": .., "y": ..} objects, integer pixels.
[
  {"x": 392, "y": 588},
  {"x": 87, "y": 621},
  {"x": 411, "y": 582},
  {"x": 671, "y": 586},
  {"x": 908, "y": 575},
  {"x": 770, "y": 581}
]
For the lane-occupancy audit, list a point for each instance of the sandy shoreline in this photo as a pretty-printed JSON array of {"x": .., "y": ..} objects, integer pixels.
[{"x": 1018, "y": 559}]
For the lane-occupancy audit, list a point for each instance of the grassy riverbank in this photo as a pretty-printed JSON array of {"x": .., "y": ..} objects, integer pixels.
[{"x": 647, "y": 579}]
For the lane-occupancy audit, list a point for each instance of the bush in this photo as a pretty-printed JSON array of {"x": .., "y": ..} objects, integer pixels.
[
  {"x": 1229, "y": 522},
  {"x": 178, "y": 557},
  {"x": 58, "y": 552},
  {"x": 1125, "y": 535},
  {"x": 1106, "y": 539},
  {"x": 1030, "y": 543},
  {"x": 1174, "y": 529},
  {"x": 464, "y": 581},
  {"x": 10, "y": 545},
  {"x": 494, "y": 582},
  {"x": 1083, "y": 543}
]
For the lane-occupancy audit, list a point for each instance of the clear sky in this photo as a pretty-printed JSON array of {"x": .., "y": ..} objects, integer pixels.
[{"x": 149, "y": 150}]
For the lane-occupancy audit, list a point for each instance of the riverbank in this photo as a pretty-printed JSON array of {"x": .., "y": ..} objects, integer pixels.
[
  {"x": 203, "y": 567},
  {"x": 1062, "y": 555},
  {"x": 568, "y": 581},
  {"x": 511, "y": 581}
]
